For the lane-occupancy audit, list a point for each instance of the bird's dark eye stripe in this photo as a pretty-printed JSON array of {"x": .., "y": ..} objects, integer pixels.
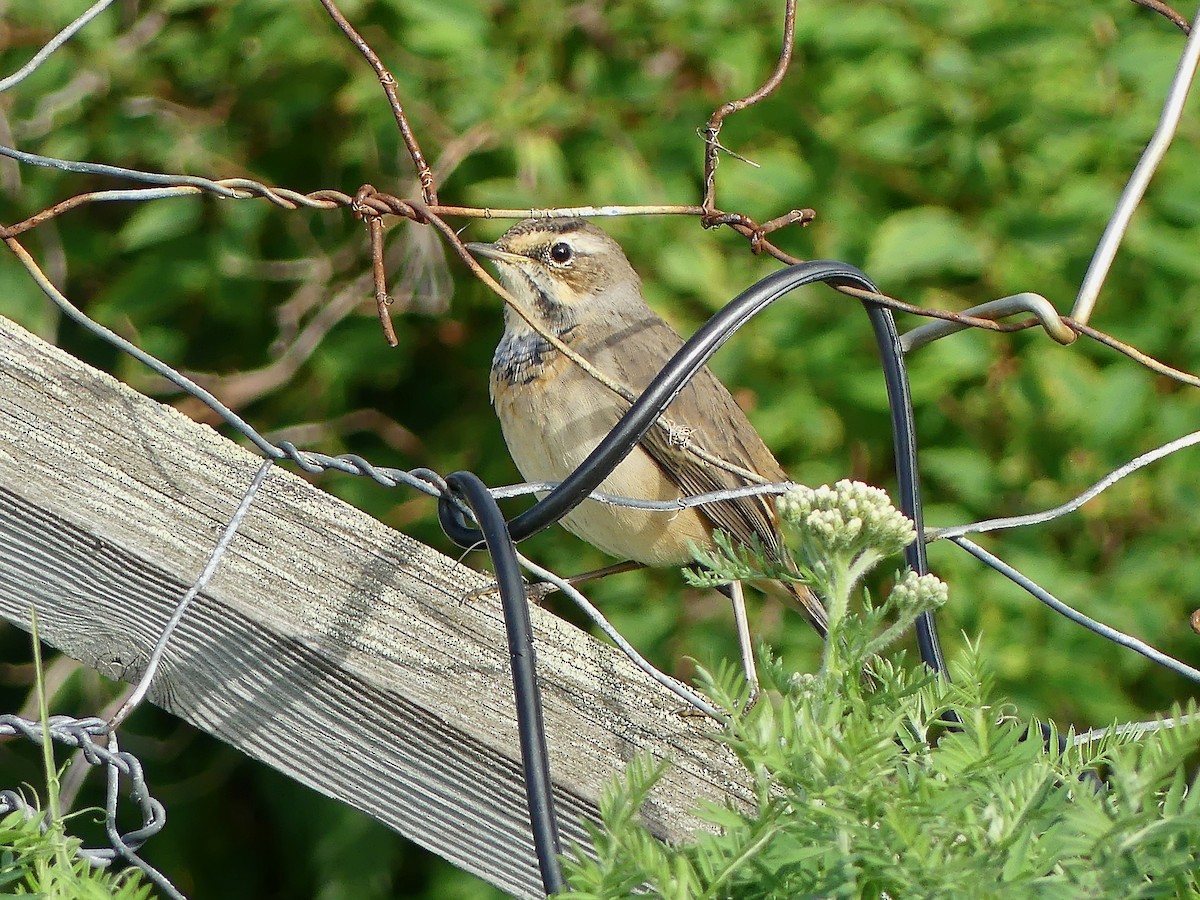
[{"x": 561, "y": 252}]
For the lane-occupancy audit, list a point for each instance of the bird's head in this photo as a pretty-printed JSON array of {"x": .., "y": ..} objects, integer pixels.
[{"x": 562, "y": 269}]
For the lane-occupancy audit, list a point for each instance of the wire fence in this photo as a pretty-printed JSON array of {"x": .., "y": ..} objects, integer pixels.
[{"x": 467, "y": 508}]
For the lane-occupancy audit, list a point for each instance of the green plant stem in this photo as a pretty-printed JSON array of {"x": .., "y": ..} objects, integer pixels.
[
  {"x": 54, "y": 814},
  {"x": 840, "y": 585}
]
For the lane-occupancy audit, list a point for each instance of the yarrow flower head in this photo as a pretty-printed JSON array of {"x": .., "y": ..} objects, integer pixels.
[{"x": 846, "y": 520}]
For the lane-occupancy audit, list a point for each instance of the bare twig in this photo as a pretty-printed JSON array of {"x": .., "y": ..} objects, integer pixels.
[
  {"x": 241, "y": 388},
  {"x": 382, "y": 426}
]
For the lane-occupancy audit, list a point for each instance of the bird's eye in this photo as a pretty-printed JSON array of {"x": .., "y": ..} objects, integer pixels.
[{"x": 561, "y": 252}]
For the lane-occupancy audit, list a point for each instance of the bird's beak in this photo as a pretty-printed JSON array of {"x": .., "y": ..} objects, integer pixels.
[{"x": 491, "y": 251}]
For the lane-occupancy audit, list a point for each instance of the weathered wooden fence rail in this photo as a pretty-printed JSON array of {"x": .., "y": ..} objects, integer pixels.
[{"x": 329, "y": 646}]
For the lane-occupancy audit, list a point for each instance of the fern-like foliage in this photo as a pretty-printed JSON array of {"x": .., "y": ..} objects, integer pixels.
[{"x": 875, "y": 778}]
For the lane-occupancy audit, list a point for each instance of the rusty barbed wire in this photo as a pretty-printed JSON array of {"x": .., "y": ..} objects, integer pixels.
[
  {"x": 373, "y": 202},
  {"x": 1169, "y": 14},
  {"x": 712, "y": 217},
  {"x": 370, "y": 203},
  {"x": 388, "y": 81}
]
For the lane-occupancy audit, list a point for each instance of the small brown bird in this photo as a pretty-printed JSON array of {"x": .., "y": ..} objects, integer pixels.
[{"x": 578, "y": 284}]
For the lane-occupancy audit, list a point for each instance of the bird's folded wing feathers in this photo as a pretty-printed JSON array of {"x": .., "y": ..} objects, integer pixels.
[{"x": 711, "y": 424}]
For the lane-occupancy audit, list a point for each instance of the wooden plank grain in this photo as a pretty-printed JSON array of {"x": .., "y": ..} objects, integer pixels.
[{"x": 328, "y": 645}]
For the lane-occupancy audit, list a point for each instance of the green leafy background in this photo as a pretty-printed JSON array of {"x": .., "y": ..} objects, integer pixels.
[{"x": 958, "y": 152}]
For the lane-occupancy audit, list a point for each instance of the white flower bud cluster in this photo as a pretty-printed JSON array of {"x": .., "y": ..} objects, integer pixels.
[
  {"x": 849, "y": 517},
  {"x": 920, "y": 592}
]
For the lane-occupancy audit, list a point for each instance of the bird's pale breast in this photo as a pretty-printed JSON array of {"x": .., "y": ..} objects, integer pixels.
[{"x": 552, "y": 417}]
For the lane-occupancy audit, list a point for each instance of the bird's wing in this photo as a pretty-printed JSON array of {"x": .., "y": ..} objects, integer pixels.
[{"x": 704, "y": 415}]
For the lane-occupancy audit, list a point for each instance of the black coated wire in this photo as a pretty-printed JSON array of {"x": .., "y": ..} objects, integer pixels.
[
  {"x": 904, "y": 442},
  {"x": 530, "y": 726},
  {"x": 690, "y": 358}
]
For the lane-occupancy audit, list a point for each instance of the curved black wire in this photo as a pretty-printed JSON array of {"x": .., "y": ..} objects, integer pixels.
[
  {"x": 904, "y": 442},
  {"x": 530, "y": 726},
  {"x": 690, "y": 358}
]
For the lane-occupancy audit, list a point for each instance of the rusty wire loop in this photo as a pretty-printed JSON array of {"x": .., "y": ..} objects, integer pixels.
[
  {"x": 1042, "y": 309},
  {"x": 712, "y": 131},
  {"x": 710, "y": 216}
]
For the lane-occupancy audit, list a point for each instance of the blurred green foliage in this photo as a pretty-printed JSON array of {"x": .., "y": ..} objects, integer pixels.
[{"x": 959, "y": 152}]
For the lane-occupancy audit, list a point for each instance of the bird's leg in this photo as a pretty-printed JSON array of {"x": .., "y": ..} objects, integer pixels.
[
  {"x": 743, "y": 632},
  {"x": 540, "y": 591}
]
